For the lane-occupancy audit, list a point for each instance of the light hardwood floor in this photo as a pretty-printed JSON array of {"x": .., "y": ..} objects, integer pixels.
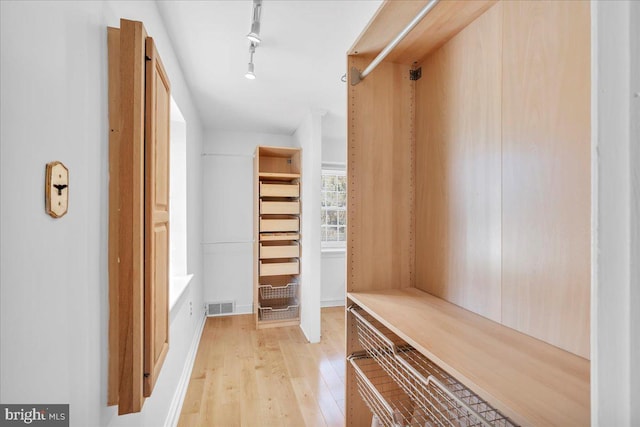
[{"x": 270, "y": 377}]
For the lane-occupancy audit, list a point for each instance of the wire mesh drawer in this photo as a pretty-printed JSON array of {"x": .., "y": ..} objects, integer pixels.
[
  {"x": 279, "y": 312},
  {"x": 384, "y": 397},
  {"x": 444, "y": 400},
  {"x": 269, "y": 292}
]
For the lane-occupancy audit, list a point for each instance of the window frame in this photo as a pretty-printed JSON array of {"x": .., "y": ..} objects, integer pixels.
[{"x": 338, "y": 245}]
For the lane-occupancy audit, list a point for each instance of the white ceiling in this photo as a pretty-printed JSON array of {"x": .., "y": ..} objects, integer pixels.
[{"x": 298, "y": 64}]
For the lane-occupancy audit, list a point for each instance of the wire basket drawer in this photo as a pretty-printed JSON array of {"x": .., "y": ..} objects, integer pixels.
[
  {"x": 384, "y": 397},
  {"x": 444, "y": 400},
  {"x": 275, "y": 312},
  {"x": 269, "y": 292}
]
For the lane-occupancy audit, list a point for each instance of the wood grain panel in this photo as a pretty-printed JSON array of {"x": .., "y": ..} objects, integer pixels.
[
  {"x": 380, "y": 170},
  {"x": 446, "y": 20},
  {"x": 256, "y": 232},
  {"x": 546, "y": 171},
  {"x": 156, "y": 286},
  {"x": 358, "y": 414},
  {"x": 131, "y": 236},
  {"x": 443, "y": 22},
  {"x": 532, "y": 382},
  {"x": 390, "y": 18},
  {"x": 113, "y": 41},
  {"x": 458, "y": 175}
]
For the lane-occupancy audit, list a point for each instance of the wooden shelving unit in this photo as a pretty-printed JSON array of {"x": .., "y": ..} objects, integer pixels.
[
  {"x": 468, "y": 247},
  {"x": 277, "y": 236}
]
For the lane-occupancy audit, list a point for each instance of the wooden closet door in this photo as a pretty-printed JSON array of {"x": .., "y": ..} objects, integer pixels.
[{"x": 156, "y": 285}]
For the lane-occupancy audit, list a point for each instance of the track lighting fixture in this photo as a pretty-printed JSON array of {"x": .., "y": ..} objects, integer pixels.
[
  {"x": 254, "y": 35},
  {"x": 250, "y": 75}
]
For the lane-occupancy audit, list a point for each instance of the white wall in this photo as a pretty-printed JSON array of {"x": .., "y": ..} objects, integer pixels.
[
  {"x": 334, "y": 151},
  {"x": 228, "y": 214},
  {"x": 634, "y": 167},
  {"x": 308, "y": 136},
  {"x": 54, "y": 283},
  {"x": 333, "y": 287},
  {"x": 615, "y": 351}
]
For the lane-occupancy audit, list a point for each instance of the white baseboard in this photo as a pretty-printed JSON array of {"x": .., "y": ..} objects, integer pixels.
[
  {"x": 332, "y": 303},
  {"x": 310, "y": 339},
  {"x": 183, "y": 383}
]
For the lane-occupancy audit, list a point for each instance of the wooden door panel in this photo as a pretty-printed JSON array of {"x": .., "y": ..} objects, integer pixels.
[
  {"x": 162, "y": 106},
  {"x": 128, "y": 185},
  {"x": 157, "y": 108},
  {"x": 139, "y": 138},
  {"x": 161, "y": 261}
]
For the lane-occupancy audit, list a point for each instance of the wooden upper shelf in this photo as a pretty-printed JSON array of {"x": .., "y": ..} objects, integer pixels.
[
  {"x": 530, "y": 381},
  {"x": 443, "y": 22},
  {"x": 279, "y": 176}
]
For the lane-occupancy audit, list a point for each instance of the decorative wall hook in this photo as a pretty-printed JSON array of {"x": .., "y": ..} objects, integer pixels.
[{"x": 56, "y": 189}]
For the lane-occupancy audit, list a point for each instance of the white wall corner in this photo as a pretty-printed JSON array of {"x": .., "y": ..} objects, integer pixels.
[
  {"x": 308, "y": 136},
  {"x": 615, "y": 301},
  {"x": 634, "y": 167}
]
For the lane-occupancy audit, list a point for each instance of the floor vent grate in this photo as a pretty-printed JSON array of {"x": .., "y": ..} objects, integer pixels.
[{"x": 221, "y": 307}]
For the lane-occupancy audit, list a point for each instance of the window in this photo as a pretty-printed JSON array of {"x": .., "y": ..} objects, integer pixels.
[
  {"x": 178, "y": 277},
  {"x": 334, "y": 208}
]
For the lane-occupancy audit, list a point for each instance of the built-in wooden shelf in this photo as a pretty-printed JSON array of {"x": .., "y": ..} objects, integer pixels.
[
  {"x": 530, "y": 381},
  {"x": 277, "y": 176},
  {"x": 276, "y": 248}
]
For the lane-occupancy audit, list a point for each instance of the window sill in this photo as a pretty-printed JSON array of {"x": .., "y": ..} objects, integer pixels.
[
  {"x": 334, "y": 251},
  {"x": 177, "y": 287}
]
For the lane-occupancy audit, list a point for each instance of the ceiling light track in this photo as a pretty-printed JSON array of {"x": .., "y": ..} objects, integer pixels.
[
  {"x": 254, "y": 34},
  {"x": 254, "y": 37}
]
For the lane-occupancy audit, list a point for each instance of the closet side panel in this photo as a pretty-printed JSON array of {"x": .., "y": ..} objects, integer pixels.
[
  {"x": 546, "y": 171},
  {"x": 380, "y": 196},
  {"x": 458, "y": 168},
  {"x": 380, "y": 184}
]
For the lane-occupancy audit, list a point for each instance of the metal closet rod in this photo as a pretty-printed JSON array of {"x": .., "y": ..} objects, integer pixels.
[{"x": 356, "y": 76}]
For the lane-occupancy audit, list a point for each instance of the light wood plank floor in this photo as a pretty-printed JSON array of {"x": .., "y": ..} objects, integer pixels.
[{"x": 270, "y": 377}]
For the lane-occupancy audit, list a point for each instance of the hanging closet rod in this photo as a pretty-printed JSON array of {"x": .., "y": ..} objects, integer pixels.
[{"x": 357, "y": 76}]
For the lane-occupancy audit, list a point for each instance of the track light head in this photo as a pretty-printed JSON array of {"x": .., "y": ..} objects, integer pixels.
[{"x": 250, "y": 74}]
